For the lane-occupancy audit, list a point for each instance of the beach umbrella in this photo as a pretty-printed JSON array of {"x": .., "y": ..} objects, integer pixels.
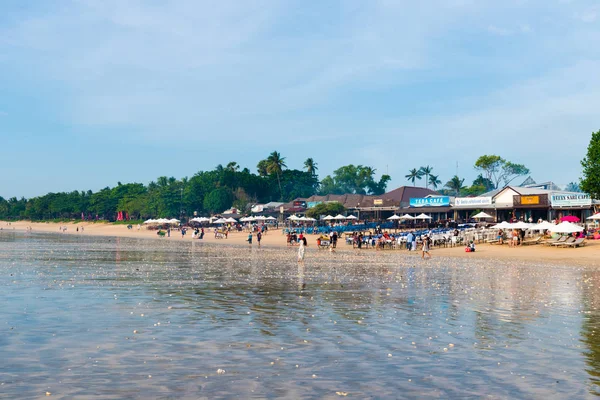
[
  {"x": 542, "y": 226},
  {"x": 351, "y": 217},
  {"x": 328, "y": 218},
  {"x": 423, "y": 216},
  {"x": 293, "y": 218},
  {"x": 407, "y": 217},
  {"x": 594, "y": 217},
  {"x": 150, "y": 221},
  {"x": 482, "y": 215},
  {"x": 394, "y": 217},
  {"x": 230, "y": 219},
  {"x": 219, "y": 221},
  {"x": 339, "y": 216},
  {"x": 260, "y": 218},
  {"x": 520, "y": 225},
  {"x": 272, "y": 218},
  {"x": 566, "y": 227},
  {"x": 162, "y": 221},
  {"x": 173, "y": 221},
  {"x": 502, "y": 225},
  {"x": 569, "y": 218}
]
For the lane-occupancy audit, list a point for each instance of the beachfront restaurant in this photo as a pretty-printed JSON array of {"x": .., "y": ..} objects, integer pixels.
[
  {"x": 437, "y": 207},
  {"x": 464, "y": 207},
  {"x": 580, "y": 205}
]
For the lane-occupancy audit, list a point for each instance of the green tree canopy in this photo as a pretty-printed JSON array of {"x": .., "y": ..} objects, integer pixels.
[
  {"x": 590, "y": 183},
  {"x": 357, "y": 179},
  {"x": 333, "y": 208},
  {"x": 455, "y": 185},
  {"x": 218, "y": 200},
  {"x": 498, "y": 170}
]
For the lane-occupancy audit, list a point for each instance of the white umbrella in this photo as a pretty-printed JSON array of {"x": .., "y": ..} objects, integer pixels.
[
  {"x": 520, "y": 225},
  {"x": 482, "y": 215},
  {"x": 394, "y": 217},
  {"x": 173, "y": 221},
  {"x": 339, "y": 216},
  {"x": 423, "y": 216},
  {"x": 272, "y": 218},
  {"x": 230, "y": 219},
  {"x": 542, "y": 226},
  {"x": 162, "y": 221},
  {"x": 566, "y": 227},
  {"x": 150, "y": 221},
  {"x": 502, "y": 225},
  {"x": 310, "y": 219},
  {"x": 260, "y": 218},
  {"x": 328, "y": 218},
  {"x": 594, "y": 217},
  {"x": 293, "y": 218},
  {"x": 219, "y": 221},
  {"x": 351, "y": 217},
  {"x": 303, "y": 218},
  {"x": 406, "y": 216}
]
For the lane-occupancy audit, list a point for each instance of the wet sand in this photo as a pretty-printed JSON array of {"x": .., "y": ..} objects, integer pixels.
[{"x": 589, "y": 255}]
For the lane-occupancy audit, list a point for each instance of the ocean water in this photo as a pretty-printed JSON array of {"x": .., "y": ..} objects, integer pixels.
[{"x": 114, "y": 318}]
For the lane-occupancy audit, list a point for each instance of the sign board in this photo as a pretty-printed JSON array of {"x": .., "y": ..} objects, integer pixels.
[
  {"x": 378, "y": 202},
  {"x": 441, "y": 201},
  {"x": 571, "y": 200},
  {"x": 530, "y": 200},
  {"x": 311, "y": 204},
  {"x": 472, "y": 201},
  {"x": 299, "y": 204}
]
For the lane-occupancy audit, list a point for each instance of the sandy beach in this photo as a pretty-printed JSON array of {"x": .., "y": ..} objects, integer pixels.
[{"x": 589, "y": 255}]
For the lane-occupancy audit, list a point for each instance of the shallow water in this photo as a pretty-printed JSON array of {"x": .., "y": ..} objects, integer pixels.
[{"x": 118, "y": 318}]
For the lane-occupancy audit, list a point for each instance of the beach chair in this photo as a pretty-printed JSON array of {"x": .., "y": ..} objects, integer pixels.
[
  {"x": 554, "y": 241},
  {"x": 532, "y": 241},
  {"x": 576, "y": 243},
  {"x": 570, "y": 239}
]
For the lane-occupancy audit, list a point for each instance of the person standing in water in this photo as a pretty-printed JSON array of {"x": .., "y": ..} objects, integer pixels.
[
  {"x": 426, "y": 244},
  {"x": 258, "y": 237},
  {"x": 250, "y": 239},
  {"x": 301, "y": 249}
]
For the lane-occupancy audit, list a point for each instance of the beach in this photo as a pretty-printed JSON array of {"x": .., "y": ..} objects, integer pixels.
[{"x": 589, "y": 255}]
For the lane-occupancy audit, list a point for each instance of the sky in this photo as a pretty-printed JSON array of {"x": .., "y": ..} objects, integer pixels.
[{"x": 93, "y": 92}]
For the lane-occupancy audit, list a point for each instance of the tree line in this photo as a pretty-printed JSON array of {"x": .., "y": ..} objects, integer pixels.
[{"x": 206, "y": 192}]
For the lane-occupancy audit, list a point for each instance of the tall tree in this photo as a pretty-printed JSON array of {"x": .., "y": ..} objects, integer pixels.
[
  {"x": 426, "y": 171},
  {"x": 590, "y": 183},
  {"x": 413, "y": 175},
  {"x": 572, "y": 187},
  {"x": 311, "y": 166},
  {"x": 455, "y": 184},
  {"x": 275, "y": 165},
  {"x": 357, "y": 179},
  {"x": 498, "y": 170},
  {"x": 434, "y": 181}
]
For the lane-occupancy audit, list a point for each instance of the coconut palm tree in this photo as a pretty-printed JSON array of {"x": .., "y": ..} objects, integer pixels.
[
  {"x": 455, "y": 184},
  {"x": 311, "y": 166},
  {"x": 275, "y": 165},
  {"x": 413, "y": 175},
  {"x": 434, "y": 181},
  {"x": 426, "y": 171}
]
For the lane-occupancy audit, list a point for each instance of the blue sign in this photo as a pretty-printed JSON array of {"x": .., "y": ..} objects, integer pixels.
[{"x": 440, "y": 201}]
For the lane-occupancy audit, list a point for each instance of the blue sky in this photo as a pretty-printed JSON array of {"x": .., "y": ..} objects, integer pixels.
[{"x": 95, "y": 92}]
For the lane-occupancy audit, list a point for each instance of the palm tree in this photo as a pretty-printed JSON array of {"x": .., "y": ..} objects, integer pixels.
[
  {"x": 455, "y": 184},
  {"x": 232, "y": 166},
  {"x": 275, "y": 165},
  {"x": 413, "y": 175},
  {"x": 434, "y": 180},
  {"x": 311, "y": 166},
  {"x": 426, "y": 171}
]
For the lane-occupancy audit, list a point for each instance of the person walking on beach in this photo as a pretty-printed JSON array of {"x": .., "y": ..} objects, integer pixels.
[
  {"x": 414, "y": 242},
  {"x": 168, "y": 232},
  {"x": 301, "y": 249},
  {"x": 425, "y": 249},
  {"x": 202, "y": 233},
  {"x": 250, "y": 239},
  {"x": 258, "y": 238},
  {"x": 409, "y": 239},
  {"x": 334, "y": 238}
]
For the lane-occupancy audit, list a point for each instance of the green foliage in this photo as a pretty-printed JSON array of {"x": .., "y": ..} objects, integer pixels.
[
  {"x": 455, "y": 185},
  {"x": 333, "y": 208},
  {"x": 434, "y": 181},
  {"x": 572, "y": 187},
  {"x": 413, "y": 175},
  {"x": 357, "y": 179},
  {"x": 311, "y": 166},
  {"x": 474, "y": 190},
  {"x": 498, "y": 170},
  {"x": 426, "y": 171},
  {"x": 218, "y": 200},
  {"x": 590, "y": 183}
]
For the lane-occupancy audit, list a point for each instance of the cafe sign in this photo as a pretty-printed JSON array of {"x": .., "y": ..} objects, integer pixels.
[
  {"x": 570, "y": 200},
  {"x": 530, "y": 200},
  {"x": 472, "y": 201},
  {"x": 439, "y": 201},
  {"x": 378, "y": 202}
]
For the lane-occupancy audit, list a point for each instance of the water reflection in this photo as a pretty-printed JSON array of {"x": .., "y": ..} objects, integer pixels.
[{"x": 120, "y": 318}]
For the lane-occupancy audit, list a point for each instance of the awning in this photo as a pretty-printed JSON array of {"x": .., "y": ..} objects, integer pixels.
[{"x": 426, "y": 210}]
